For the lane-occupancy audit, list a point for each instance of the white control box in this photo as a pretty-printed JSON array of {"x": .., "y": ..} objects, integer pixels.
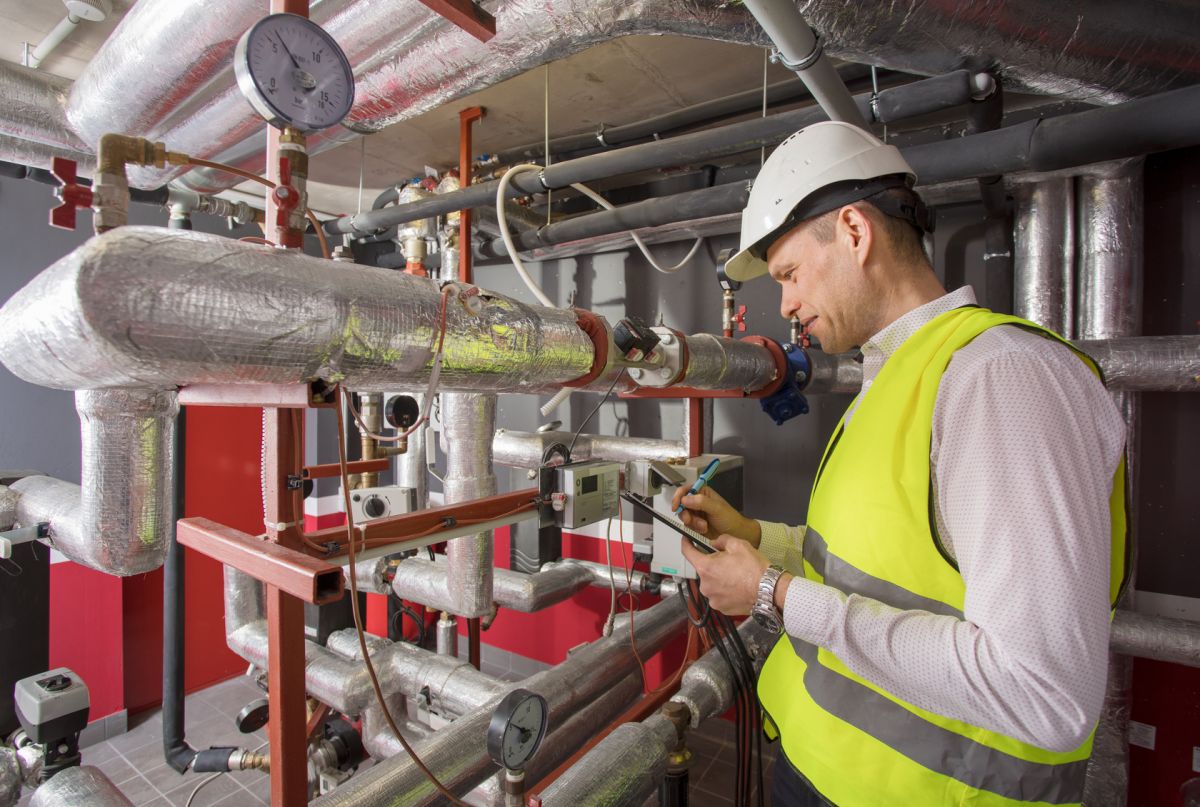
[
  {"x": 586, "y": 492},
  {"x": 368, "y": 504},
  {"x": 666, "y": 556}
]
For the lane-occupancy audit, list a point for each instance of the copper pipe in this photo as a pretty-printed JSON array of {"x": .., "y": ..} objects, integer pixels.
[{"x": 465, "y": 118}]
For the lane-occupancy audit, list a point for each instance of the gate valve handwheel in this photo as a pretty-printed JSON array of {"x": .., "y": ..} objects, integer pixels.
[
  {"x": 286, "y": 197},
  {"x": 740, "y": 318},
  {"x": 69, "y": 192}
]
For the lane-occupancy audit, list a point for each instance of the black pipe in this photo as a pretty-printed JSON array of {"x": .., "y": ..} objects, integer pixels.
[
  {"x": 698, "y": 204},
  {"x": 157, "y": 196},
  {"x": 1163, "y": 122},
  {"x": 918, "y": 98},
  {"x": 175, "y": 748},
  {"x": 473, "y": 628}
]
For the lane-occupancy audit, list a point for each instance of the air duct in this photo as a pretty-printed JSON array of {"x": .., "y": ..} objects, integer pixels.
[{"x": 33, "y": 126}]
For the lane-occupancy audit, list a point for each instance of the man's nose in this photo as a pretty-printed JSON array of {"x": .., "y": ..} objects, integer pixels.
[{"x": 788, "y": 305}]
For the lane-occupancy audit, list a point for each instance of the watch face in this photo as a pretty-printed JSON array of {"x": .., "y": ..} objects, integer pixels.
[
  {"x": 768, "y": 621},
  {"x": 293, "y": 73}
]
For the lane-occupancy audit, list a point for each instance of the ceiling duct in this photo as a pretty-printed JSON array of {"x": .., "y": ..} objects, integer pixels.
[
  {"x": 1099, "y": 52},
  {"x": 33, "y": 124}
]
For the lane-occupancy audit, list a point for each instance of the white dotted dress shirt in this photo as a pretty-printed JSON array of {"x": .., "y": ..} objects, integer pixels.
[{"x": 1025, "y": 444}]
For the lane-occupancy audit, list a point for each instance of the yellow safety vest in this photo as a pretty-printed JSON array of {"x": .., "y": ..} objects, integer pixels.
[{"x": 870, "y": 532}]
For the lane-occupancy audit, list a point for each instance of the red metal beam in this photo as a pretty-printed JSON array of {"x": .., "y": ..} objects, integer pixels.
[
  {"x": 396, "y": 529},
  {"x": 466, "y": 118},
  {"x": 302, "y": 576},
  {"x": 467, "y": 16}
]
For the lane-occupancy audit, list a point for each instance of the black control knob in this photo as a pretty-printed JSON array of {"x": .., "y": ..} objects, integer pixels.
[
  {"x": 634, "y": 339},
  {"x": 374, "y": 507}
]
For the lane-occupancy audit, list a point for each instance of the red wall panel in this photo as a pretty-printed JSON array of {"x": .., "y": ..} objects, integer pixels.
[
  {"x": 1166, "y": 696},
  {"x": 85, "y": 632}
]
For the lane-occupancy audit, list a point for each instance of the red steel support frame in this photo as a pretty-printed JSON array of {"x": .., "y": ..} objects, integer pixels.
[{"x": 466, "y": 118}]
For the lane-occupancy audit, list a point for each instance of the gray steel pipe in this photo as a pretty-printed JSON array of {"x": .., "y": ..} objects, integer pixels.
[
  {"x": 230, "y": 312},
  {"x": 928, "y": 95},
  {"x": 801, "y": 52},
  {"x": 119, "y": 521},
  {"x": 1161, "y": 638},
  {"x": 1044, "y": 243},
  {"x": 78, "y": 786},
  {"x": 457, "y": 754},
  {"x": 1147, "y": 363},
  {"x": 468, "y": 422}
]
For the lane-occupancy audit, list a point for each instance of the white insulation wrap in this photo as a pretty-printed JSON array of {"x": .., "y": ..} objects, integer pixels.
[
  {"x": 8, "y": 508},
  {"x": 119, "y": 521},
  {"x": 468, "y": 423},
  {"x": 150, "y": 307}
]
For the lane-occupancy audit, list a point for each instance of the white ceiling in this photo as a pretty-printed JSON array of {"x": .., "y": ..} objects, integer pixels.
[{"x": 620, "y": 81}]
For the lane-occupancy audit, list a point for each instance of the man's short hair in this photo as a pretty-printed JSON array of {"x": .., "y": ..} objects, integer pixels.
[{"x": 905, "y": 238}]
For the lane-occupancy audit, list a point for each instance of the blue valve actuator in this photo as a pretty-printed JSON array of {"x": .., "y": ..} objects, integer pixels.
[{"x": 787, "y": 402}]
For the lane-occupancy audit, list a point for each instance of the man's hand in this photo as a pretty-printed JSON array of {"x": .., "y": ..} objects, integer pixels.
[
  {"x": 711, "y": 516},
  {"x": 728, "y": 577}
]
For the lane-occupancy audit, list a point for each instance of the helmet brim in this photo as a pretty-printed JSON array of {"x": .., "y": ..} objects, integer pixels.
[{"x": 745, "y": 266}]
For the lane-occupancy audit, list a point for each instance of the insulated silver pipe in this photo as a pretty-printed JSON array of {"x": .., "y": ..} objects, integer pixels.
[
  {"x": 119, "y": 520},
  {"x": 622, "y": 769},
  {"x": 33, "y": 123},
  {"x": 1147, "y": 363},
  {"x": 801, "y": 51},
  {"x": 1162, "y": 638},
  {"x": 429, "y": 584},
  {"x": 1045, "y": 244},
  {"x": 1110, "y": 287},
  {"x": 468, "y": 422},
  {"x": 227, "y": 312},
  {"x": 412, "y": 470},
  {"x": 715, "y": 362},
  {"x": 564, "y": 738},
  {"x": 73, "y": 787},
  {"x": 457, "y": 754},
  {"x": 525, "y": 449},
  {"x": 335, "y": 675}
]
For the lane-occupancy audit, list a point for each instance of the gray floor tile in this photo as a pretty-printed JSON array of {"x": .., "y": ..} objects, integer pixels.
[
  {"x": 212, "y": 792},
  {"x": 138, "y": 790},
  {"x": 165, "y": 778},
  {"x": 100, "y": 752},
  {"x": 115, "y": 768},
  {"x": 239, "y": 799},
  {"x": 261, "y": 789},
  {"x": 161, "y": 801},
  {"x": 145, "y": 757},
  {"x": 229, "y": 697},
  {"x": 144, "y": 728}
]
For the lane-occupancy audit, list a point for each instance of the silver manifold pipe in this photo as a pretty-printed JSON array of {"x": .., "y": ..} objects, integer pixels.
[
  {"x": 79, "y": 786},
  {"x": 626, "y": 767},
  {"x": 457, "y": 754},
  {"x": 427, "y": 583},
  {"x": 334, "y": 674}
]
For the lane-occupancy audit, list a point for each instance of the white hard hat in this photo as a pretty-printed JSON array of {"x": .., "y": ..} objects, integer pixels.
[{"x": 818, "y": 169}]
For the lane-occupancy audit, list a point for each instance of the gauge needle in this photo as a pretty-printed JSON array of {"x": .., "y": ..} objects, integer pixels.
[{"x": 288, "y": 51}]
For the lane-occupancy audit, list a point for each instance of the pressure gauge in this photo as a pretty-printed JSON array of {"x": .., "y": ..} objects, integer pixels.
[
  {"x": 517, "y": 728},
  {"x": 293, "y": 73}
]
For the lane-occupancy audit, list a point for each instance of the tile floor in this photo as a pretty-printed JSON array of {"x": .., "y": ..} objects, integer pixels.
[{"x": 134, "y": 760}]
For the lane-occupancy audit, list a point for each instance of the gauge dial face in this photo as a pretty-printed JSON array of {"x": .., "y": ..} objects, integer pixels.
[
  {"x": 517, "y": 728},
  {"x": 294, "y": 74}
]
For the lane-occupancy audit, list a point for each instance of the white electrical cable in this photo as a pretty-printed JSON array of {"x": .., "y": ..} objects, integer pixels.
[{"x": 501, "y": 194}]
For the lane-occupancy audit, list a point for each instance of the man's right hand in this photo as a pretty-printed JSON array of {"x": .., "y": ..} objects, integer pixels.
[{"x": 711, "y": 516}]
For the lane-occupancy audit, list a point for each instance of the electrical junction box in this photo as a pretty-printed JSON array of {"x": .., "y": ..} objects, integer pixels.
[
  {"x": 52, "y": 706},
  {"x": 585, "y": 492},
  {"x": 666, "y": 556},
  {"x": 368, "y": 504}
]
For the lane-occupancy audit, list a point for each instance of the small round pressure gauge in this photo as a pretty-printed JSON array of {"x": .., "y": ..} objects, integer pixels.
[
  {"x": 293, "y": 73},
  {"x": 517, "y": 728}
]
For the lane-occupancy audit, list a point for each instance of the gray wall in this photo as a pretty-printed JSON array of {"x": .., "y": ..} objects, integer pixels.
[{"x": 40, "y": 429}]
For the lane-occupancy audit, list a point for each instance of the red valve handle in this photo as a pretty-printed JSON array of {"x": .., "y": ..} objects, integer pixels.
[
  {"x": 72, "y": 195},
  {"x": 740, "y": 318},
  {"x": 286, "y": 197}
]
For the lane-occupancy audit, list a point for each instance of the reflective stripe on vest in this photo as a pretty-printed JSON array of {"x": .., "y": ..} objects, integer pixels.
[
  {"x": 870, "y": 533},
  {"x": 934, "y": 747}
]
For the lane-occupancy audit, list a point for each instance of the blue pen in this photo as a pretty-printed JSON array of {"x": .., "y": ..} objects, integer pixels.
[{"x": 700, "y": 482}]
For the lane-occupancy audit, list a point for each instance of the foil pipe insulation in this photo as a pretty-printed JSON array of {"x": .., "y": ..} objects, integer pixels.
[
  {"x": 457, "y": 754},
  {"x": 1161, "y": 638},
  {"x": 525, "y": 449},
  {"x": 717, "y": 363},
  {"x": 8, "y": 507},
  {"x": 1147, "y": 363},
  {"x": 33, "y": 123},
  {"x": 119, "y": 521},
  {"x": 429, "y": 584},
  {"x": 407, "y": 60},
  {"x": 143, "y": 306},
  {"x": 1044, "y": 243},
  {"x": 84, "y": 785},
  {"x": 340, "y": 679},
  {"x": 565, "y": 738},
  {"x": 411, "y": 469},
  {"x": 468, "y": 423},
  {"x": 11, "y": 777}
]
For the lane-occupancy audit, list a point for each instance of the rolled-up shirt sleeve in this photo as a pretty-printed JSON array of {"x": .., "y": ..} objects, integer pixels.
[{"x": 783, "y": 545}]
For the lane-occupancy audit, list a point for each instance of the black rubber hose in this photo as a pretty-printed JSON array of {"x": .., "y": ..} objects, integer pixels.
[
  {"x": 695, "y": 147},
  {"x": 175, "y": 747}
]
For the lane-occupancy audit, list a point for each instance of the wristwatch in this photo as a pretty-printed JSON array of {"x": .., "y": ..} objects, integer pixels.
[{"x": 764, "y": 612}]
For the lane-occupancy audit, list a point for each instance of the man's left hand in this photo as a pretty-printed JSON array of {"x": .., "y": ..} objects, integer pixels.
[{"x": 728, "y": 577}]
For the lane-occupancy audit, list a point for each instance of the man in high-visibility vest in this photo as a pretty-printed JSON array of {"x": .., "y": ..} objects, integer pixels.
[{"x": 944, "y": 612}]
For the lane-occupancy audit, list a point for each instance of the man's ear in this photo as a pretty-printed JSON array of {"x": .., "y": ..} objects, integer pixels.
[{"x": 857, "y": 229}]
